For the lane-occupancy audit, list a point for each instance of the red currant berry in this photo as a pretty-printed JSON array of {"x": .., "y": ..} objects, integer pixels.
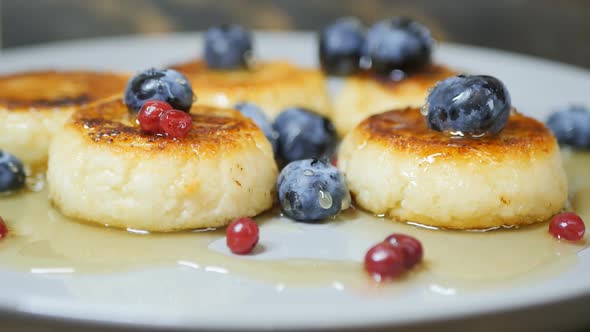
[
  {"x": 242, "y": 235},
  {"x": 411, "y": 246},
  {"x": 175, "y": 123},
  {"x": 385, "y": 261},
  {"x": 149, "y": 115},
  {"x": 334, "y": 161},
  {"x": 568, "y": 226},
  {"x": 3, "y": 229}
]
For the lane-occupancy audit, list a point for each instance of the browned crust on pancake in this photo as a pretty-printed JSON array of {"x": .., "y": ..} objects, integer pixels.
[
  {"x": 54, "y": 89},
  {"x": 214, "y": 130},
  {"x": 424, "y": 78},
  {"x": 406, "y": 131},
  {"x": 259, "y": 75}
]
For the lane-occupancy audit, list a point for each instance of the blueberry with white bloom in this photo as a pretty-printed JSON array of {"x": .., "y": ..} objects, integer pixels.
[
  {"x": 571, "y": 126},
  {"x": 397, "y": 44},
  {"x": 340, "y": 46},
  {"x": 304, "y": 134},
  {"x": 227, "y": 47},
  {"x": 471, "y": 105},
  {"x": 311, "y": 190},
  {"x": 159, "y": 84},
  {"x": 12, "y": 173}
]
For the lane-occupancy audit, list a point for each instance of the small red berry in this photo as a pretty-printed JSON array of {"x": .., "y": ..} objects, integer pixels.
[
  {"x": 568, "y": 226},
  {"x": 335, "y": 161},
  {"x": 149, "y": 115},
  {"x": 411, "y": 246},
  {"x": 385, "y": 261},
  {"x": 3, "y": 229},
  {"x": 175, "y": 123},
  {"x": 242, "y": 235}
]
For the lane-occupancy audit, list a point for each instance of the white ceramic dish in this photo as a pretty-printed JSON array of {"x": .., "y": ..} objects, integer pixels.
[{"x": 189, "y": 297}]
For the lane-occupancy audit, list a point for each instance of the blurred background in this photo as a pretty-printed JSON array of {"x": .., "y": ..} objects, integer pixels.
[{"x": 554, "y": 29}]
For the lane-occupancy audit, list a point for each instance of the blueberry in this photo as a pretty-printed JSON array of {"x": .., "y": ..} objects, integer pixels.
[
  {"x": 473, "y": 105},
  {"x": 340, "y": 46},
  {"x": 254, "y": 112},
  {"x": 12, "y": 173},
  {"x": 571, "y": 126},
  {"x": 159, "y": 84},
  {"x": 311, "y": 190},
  {"x": 227, "y": 47},
  {"x": 397, "y": 44},
  {"x": 303, "y": 134}
]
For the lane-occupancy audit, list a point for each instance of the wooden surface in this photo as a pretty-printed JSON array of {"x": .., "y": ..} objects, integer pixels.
[{"x": 554, "y": 29}]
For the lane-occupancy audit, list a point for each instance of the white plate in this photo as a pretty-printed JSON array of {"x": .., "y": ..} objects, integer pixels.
[{"x": 183, "y": 297}]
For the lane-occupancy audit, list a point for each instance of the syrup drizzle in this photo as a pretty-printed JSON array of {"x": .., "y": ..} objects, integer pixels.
[{"x": 42, "y": 241}]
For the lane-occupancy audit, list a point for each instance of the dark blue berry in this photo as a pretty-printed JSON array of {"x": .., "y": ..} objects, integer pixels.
[
  {"x": 12, "y": 173},
  {"x": 254, "y": 112},
  {"x": 228, "y": 47},
  {"x": 397, "y": 44},
  {"x": 340, "y": 46},
  {"x": 159, "y": 84},
  {"x": 571, "y": 126},
  {"x": 303, "y": 134},
  {"x": 472, "y": 105},
  {"x": 311, "y": 190}
]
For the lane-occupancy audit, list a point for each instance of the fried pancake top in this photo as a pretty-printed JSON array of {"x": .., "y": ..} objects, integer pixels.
[
  {"x": 260, "y": 74},
  {"x": 423, "y": 79},
  {"x": 214, "y": 130},
  {"x": 54, "y": 89},
  {"x": 406, "y": 131}
]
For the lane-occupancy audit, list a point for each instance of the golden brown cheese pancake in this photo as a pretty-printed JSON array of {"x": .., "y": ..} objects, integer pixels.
[
  {"x": 273, "y": 86},
  {"x": 34, "y": 106},
  {"x": 103, "y": 169},
  {"x": 396, "y": 166},
  {"x": 363, "y": 95}
]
